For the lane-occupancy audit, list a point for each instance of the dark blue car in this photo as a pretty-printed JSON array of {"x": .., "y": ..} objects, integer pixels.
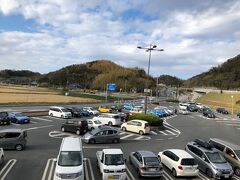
[
  {"x": 158, "y": 113},
  {"x": 18, "y": 117}
]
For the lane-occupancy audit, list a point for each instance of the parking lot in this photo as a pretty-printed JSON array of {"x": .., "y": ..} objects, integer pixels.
[{"x": 37, "y": 161}]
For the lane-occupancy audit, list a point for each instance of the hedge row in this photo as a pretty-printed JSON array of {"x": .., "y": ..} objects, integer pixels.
[{"x": 153, "y": 120}]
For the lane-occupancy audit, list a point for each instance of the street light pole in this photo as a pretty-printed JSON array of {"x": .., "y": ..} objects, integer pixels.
[
  {"x": 232, "y": 104},
  {"x": 148, "y": 49}
]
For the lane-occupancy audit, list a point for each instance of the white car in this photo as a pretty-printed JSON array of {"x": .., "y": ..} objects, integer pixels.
[
  {"x": 110, "y": 119},
  {"x": 94, "y": 124},
  {"x": 137, "y": 126},
  {"x": 183, "y": 106},
  {"x": 60, "y": 112},
  {"x": 180, "y": 162},
  {"x": 183, "y": 111},
  {"x": 1, "y": 156},
  {"x": 199, "y": 105},
  {"x": 91, "y": 110}
]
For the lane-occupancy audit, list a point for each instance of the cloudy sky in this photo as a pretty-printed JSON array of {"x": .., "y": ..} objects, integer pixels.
[{"x": 45, "y": 35}]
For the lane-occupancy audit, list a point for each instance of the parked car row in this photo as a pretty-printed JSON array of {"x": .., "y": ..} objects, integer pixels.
[
  {"x": 15, "y": 117},
  {"x": 217, "y": 158}
]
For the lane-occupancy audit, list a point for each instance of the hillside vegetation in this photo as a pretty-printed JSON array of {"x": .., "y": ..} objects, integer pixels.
[
  {"x": 96, "y": 74},
  {"x": 225, "y": 76},
  {"x": 170, "y": 80}
]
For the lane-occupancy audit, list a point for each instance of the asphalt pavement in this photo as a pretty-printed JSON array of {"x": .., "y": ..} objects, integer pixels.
[{"x": 37, "y": 161}]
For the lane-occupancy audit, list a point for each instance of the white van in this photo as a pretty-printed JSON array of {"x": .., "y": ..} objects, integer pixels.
[
  {"x": 60, "y": 112},
  {"x": 70, "y": 160},
  {"x": 110, "y": 119}
]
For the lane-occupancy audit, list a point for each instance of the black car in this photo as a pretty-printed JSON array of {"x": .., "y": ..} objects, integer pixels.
[
  {"x": 209, "y": 114},
  {"x": 78, "y": 127},
  {"x": 238, "y": 114},
  {"x": 75, "y": 111},
  {"x": 222, "y": 111},
  {"x": 4, "y": 118},
  {"x": 117, "y": 108},
  {"x": 192, "y": 108}
]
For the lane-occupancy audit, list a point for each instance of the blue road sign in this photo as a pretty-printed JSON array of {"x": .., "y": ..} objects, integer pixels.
[{"x": 111, "y": 86}]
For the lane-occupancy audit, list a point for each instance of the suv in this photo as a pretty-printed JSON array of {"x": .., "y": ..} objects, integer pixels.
[
  {"x": 209, "y": 160},
  {"x": 60, "y": 112},
  {"x": 209, "y": 114},
  {"x": 230, "y": 151},
  {"x": 4, "y": 118},
  {"x": 13, "y": 139},
  {"x": 78, "y": 127}
]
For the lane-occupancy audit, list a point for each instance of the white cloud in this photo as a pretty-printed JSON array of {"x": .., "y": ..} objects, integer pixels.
[{"x": 195, "y": 36}]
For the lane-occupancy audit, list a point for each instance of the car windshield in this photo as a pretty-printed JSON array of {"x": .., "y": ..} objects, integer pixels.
[
  {"x": 65, "y": 110},
  {"x": 18, "y": 114},
  {"x": 97, "y": 122},
  {"x": 237, "y": 152},
  {"x": 70, "y": 158},
  {"x": 114, "y": 159},
  {"x": 151, "y": 161},
  {"x": 188, "y": 162},
  {"x": 215, "y": 157}
]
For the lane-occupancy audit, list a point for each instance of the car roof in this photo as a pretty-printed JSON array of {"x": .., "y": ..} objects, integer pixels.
[
  {"x": 71, "y": 144},
  {"x": 146, "y": 153},
  {"x": 138, "y": 120},
  {"x": 57, "y": 107},
  {"x": 180, "y": 153},
  {"x": 203, "y": 148},
  {"x": 113, "y": 151},
  {"x": 11, "y": 130},
  {"x": 231, "y": 145}
]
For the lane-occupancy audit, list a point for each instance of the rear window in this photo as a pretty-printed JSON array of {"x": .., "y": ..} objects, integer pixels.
[
  {"x": 116, "y": 117},
  {"x": 151, "y": 161},
  {"x": 188, "y": 162},
  {"x": 12, "y": 135}
]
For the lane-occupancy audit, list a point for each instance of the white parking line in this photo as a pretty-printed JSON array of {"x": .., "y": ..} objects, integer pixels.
[
  {"x": 140, "y": 137},
  {"x": 7, "y": 168},
  {"x": 167, "y": 176},
  {"x": 33, "y": 122},
  {"x": 91, "y": 170},
  {"x": 130, "y": 177},
  {"x": 16, "y": 124},
  {"x": 85, "y": 169},
  {"x": 50, "y": 163},
  {"x": 130, "y": 135},
  {"x": 42, "y": 119},
  {"x": 40, "y": 127},
  {"x": 153, "y": 132},
  {"x": 121, "y": 133},
  {"x": 163, "y": 133},
  {"x": 170, "y": 132}
]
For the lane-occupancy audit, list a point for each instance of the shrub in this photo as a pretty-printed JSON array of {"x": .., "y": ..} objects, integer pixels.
[
  {"x": 172, "y": 100},
  {"x": 153, "y": 120}
]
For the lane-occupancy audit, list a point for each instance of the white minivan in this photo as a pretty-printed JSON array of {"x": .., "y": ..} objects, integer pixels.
[
  {"x": 110, "y": 119},
  {"x": 70, "y": 160},
  {"x": 60, "y": 112}
]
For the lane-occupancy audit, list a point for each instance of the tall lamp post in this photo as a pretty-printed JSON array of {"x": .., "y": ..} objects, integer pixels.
[
  {"x": 232, "y": 103},
  {"x": 148, "y": 49}
]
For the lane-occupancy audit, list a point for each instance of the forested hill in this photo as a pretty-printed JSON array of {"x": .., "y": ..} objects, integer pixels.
[
  {"x": 96, "y": 74},
  {"x": 224, "y": 76}
]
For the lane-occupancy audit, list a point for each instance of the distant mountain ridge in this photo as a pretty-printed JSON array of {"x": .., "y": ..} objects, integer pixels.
[
  {"x": 96, "y": 74},
  {"x": 224, "y": 76}
]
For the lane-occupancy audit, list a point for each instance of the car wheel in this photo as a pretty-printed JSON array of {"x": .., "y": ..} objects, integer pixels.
[
  {"x": 51, "y": 115},
  {"x": 141, "y": 132},
  {"x": 174, "y": 172},
  {"x": 115, "y": 141},
  {"x": 209, "y": 173},
  {"x": 78, "y": 132},
  {"x": 124, "y": 129},
  {"x": 110, "y": 123},
  {"x": 92, "y": 128},
  {"x": 237, "y": 171},
  {"x": 62, "y": 129},
  {"x": 92, "y": 141},
  {"x": 19, "y": 147}
]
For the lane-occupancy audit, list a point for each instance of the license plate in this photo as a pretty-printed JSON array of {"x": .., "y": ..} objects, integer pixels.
[
  {"x": 152, "y": 169},
  {"x": 226, "y": 176},
  {"x": 113, "y": 177}
]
